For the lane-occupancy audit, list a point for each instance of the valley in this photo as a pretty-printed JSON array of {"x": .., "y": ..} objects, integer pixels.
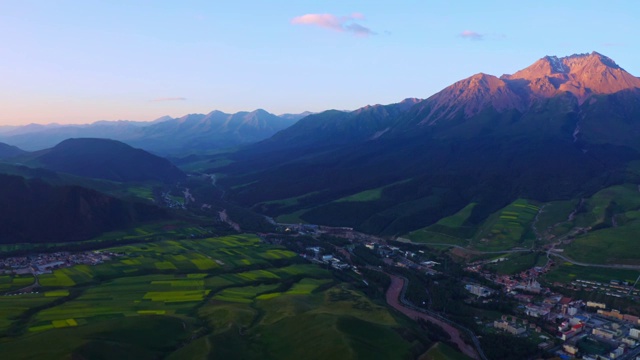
[{"x": 488, "y": 221}]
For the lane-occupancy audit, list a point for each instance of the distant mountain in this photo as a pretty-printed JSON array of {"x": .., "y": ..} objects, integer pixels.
[
  {"x": 561, "y": 128},
  {"x": 341, "y": 127},
  {"x": 188, "y": 134},
  {"x": 216, "y": 130},
  {"x": 34, "y": 211},
  {"x": 8, "y": 151},
  {"x": 106, "y": 159},
  {"x": 295, "y": 117}
]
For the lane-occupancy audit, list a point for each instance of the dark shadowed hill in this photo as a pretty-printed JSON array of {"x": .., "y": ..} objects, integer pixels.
[
  {"x": 8, "y": 151},
  {"x": 561, "y": 128},
  {"x": 34, "y": 211},
  {"x": 107, "y": 159}
]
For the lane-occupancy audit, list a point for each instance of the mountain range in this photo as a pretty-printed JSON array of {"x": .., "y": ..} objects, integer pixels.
[
  {"x": 561, "y": 128},
  {"x": 166, "y": 135}
]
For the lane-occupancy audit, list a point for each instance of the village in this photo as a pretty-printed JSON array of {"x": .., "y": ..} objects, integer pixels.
[
  {"x": 564, "y": 326},
  {"x": 44, "y": 263}
]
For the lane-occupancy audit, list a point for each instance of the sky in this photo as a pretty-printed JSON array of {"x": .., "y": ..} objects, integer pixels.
[{"x": 84, "y": 61}]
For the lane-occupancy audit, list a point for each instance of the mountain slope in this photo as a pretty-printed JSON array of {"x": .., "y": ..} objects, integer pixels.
[
  {"x": 547, "y": 132},
  {"x": 8, "y": 151},
  {"x": 34, "y": 211},
  {"x": 107, "y": 159}
]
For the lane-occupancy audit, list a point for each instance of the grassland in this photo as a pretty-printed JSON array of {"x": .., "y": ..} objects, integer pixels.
[
  {"x": 292, "y": 218},
  {"x": 452, "y": 230},
  {"x": 367, "y": 195},
  {"x": 612, "y": 216}
]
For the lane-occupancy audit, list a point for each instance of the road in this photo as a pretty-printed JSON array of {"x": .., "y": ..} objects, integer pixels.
[
  {"x": 464, "y": 248},
  {"x": 28, "y": 288},
  {"x": 611, "y": 266},
  {"x": 393, "y": 299}
]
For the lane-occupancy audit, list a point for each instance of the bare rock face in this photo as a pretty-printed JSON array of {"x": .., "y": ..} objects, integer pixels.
[{"x": 582, "y": 75}]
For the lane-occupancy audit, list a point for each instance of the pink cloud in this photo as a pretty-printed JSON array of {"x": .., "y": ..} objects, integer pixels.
[
  {"x": 336, "y": 23},
  {"x": 472, "y": 35}
]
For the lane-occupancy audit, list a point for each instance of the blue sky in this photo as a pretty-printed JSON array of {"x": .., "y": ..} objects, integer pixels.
[{"x": 83, "y": 61}]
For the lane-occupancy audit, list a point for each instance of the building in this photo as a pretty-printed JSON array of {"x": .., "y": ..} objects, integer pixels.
[
  {"x": 478, "y": 290},
  {"x": 612, "y": 314},
  {"x": 511, "y": 328},
  {"x": 570, "y": 349},
  {"x": 592, "y": 304},
  {"x": 634, "y": 333},
  {"x": 604, "y": 333}
]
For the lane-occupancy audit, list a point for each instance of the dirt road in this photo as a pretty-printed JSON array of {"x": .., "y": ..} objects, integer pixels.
[{"x": 393, "y": 299}]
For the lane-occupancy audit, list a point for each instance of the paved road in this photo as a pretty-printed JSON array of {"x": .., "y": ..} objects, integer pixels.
[
  {"x": 393, "y": 299},
  {"x": 611, "y": 266},
  {"x": 464, "y": 248}
]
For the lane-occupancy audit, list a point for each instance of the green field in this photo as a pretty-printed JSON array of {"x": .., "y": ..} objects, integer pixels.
[
  {"x": 567, "y": 272},
  {"x": 441, "y": 351},
  {"x": 518, "y": 262},
  {"x": 292, "y": 218},
  {"x": 449, "y": 230},
  {"x": 508, "y": 228},
  {"x": 367, "y": 195},
  {"x": 14, "y": 282}
]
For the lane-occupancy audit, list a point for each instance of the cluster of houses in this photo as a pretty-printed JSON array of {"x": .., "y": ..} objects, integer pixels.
[
  {"x": 47, "y": 262},
  {"x": 614, "y": 288}
]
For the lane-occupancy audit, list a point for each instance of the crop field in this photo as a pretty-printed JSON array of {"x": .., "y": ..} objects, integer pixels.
[
  {"x": 11, "y": 307},
  {"x": 508, "y": 228},
  {"x": 10, "y": 282},
  {"x": 243, "y": 294},
  {"x": 442, "y": 351},
  {"x": 306, "y": 286},
  {"x": 157, "y": 291},
  {"x": 567, "y": 272},
  {"x": 449, "y": 230}
]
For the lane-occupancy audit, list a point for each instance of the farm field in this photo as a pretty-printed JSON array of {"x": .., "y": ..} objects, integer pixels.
[
  {"x": 11, "y": 282},
  {"x": 226, "y": 297},
  {"x": 567, "y": 272},
  {"x": 508, "y": 228}
]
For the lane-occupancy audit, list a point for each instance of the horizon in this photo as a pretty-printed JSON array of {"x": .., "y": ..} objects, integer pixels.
[{"x": 76, "y": 64}]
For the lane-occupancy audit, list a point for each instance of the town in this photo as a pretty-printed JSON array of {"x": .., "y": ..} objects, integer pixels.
[{"x": 559, "y": 325}]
